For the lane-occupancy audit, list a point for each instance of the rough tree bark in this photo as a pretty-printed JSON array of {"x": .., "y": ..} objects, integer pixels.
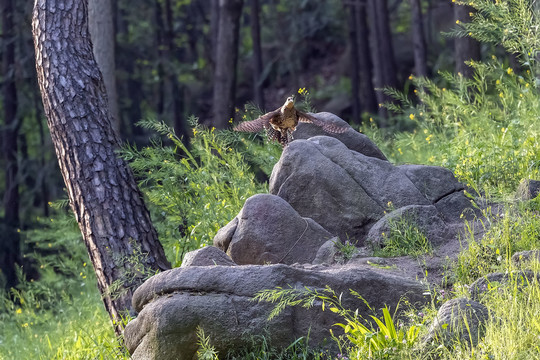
[
  {"x": 419, "y": 40},
  {"x": 100, "y": 16},
  {"x": 108, "y": 206},
  {"x": 257, "y": 53},
  {"x": 10, "y": 245},
  {"x": 226, "y": 58},
  {"x": 465, "y": 48}
]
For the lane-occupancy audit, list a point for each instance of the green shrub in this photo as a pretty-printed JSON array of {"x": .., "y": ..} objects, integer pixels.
[
  {"x": 196, "y": 191},
  {"x": 375, "y": 338},
  {"x": 485, "y": 129}
]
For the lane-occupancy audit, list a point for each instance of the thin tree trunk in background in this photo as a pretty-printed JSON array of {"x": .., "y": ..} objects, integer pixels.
[
  {"x": 10, "y": 248},
  {"x": 179, "y": 123},
  {"x": 214, "y": 30},
  {"x": 350, "y": 8},
  {"x": 104, "y": 197},
  {"x": 383, "y": 52},
  {"x": 465, "y": 48},
  {"x": 130, "y": 89},
  {"x": 257, "y": 53},
  {"x": 419, "y": 40},
  {"x": 100, "y": 22},
  {"x": 224, "y": 92},
  {"x": 368, "y": 99}
]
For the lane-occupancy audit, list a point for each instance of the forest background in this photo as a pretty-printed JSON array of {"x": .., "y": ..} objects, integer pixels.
[{"x": 221, "y": 61}]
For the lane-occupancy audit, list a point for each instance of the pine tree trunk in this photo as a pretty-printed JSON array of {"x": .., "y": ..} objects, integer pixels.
[
  {"x": 257, "y": 53},
  {"x": 10, "y": 247},
  {"x": 224, "y": 92},
  {"x": 465, "y": 48},
  {"x": 108, "y": 206},
  {"x": 419, "y": 41}
]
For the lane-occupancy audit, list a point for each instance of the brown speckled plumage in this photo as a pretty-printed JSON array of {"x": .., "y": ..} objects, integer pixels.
[{"x": 280, "y": 123}]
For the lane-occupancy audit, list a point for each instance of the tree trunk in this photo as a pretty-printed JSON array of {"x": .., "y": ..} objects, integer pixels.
[
  {"x": 180, "y": 126},
  {"x": 214, "y": 30},
  {"x": 257, "y": 53},
  {"x": 465, "y": 48},
  {"x": 419, "y": 41},
  {"x": 368, "y": 99},
  {"x": 10, "y": 249},
  {"x": 100, "y": 22},
  {"x": 116, "y": 227},
  {"x": 383, "y": 51},
  {"x": 226, "y": 58},
  {"x": 350, "y": 9}
]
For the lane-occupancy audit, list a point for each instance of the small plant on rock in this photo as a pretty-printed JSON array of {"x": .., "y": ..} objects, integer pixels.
[{"x": 404, "y": 237}]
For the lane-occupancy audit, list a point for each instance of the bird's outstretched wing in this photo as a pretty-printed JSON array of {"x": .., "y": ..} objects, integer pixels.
[
  {"x": 326, "y": 126},
  {"x": 258, "y": 124}
]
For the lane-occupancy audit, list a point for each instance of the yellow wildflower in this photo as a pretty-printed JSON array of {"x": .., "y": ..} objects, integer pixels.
[
  {"x": 509, "y": 71},
  {"x": 411, "y": 116},
  {"x": 18, "y": 311},
  {"x": 457, "y": 21}
]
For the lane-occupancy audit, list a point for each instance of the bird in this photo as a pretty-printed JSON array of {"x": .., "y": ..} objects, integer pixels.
[{"x": 281, "y": 123}]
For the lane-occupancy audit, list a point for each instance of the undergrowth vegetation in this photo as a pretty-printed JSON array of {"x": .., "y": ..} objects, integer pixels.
[
  {"x": 486, "y": 129},
  {"x": 196, "y": 191}
]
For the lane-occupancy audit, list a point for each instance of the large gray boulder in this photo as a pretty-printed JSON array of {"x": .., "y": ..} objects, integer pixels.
[
  {"x": 219, "y": 299},
  {"x": 351, "y": 138},
  {"x": 425, "y": 218},
  {"x": 268, "y": 230},
  {"x": 461, "y": 320},
  {"x": 347, "y": 192},
  {"x": 528, "y": 189}
]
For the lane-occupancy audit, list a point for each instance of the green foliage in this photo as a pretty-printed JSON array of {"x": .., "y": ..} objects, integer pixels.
[
  {"x": 404, "y": 238},
  {"x": 195, "y": 191},
  {"x": 378, "y": 338},
  {"x": 484, "y": 129},
  {"x": 515, "y": 229},
  {"x": 512, "y": 24},
  {"x": 260, "y": 349},
  {"x": 347, "y": 250},
  {"x": 59, "y": 313},
  {"x": 206, "y": 351}
]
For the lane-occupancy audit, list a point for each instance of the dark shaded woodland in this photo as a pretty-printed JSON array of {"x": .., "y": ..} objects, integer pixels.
[{"x": 170, "y": 59}]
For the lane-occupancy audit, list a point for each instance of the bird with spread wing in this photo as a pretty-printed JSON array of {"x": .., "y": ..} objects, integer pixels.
[{"x": 280, "y": 123}]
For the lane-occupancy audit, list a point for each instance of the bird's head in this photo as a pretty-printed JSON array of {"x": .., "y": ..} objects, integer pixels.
[{"x": 289, "y": 103}]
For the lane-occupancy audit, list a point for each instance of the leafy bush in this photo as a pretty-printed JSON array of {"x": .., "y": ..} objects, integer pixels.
[
  {"x": 485, "y": 129},
  {"x": 196, "y": 191}
]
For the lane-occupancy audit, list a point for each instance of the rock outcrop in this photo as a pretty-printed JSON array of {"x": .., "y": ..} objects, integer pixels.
[
  {"x": 219, "y": 299},
  {"x": 325, "y": 190},
  {"x": 269, "y": 230}
]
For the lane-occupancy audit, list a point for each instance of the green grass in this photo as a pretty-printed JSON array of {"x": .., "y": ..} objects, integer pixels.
[{"x": 404, "y": 237}]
